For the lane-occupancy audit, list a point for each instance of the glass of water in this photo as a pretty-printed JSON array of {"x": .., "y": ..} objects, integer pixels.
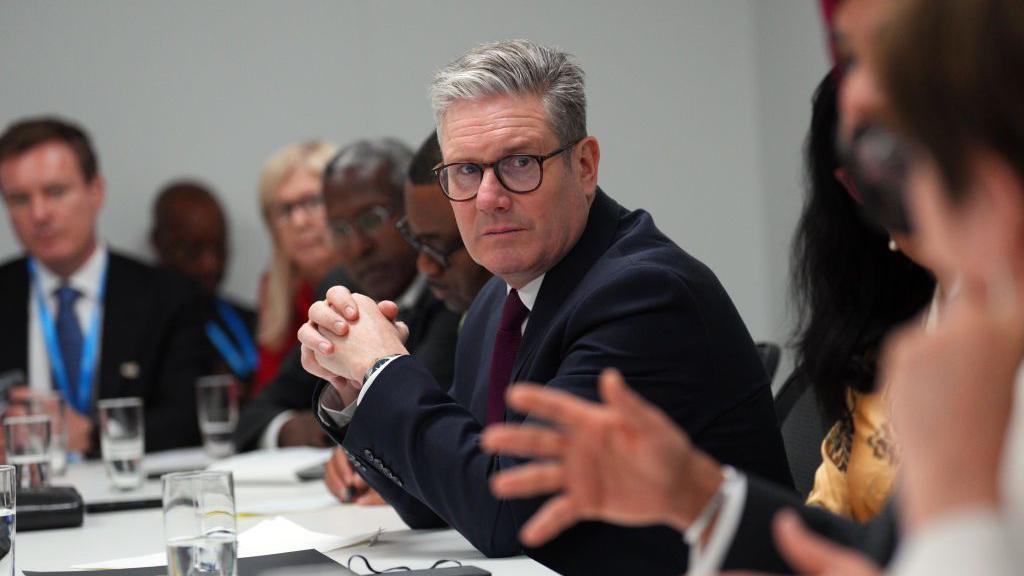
[
  {"x": 27, "y": 443},
  {"x": 199, "y": 523},
  {"x": 7, "y": 495},
  {"x": 53, "y": 405},
  {"x": 217, "y": 398},
  {"x": 122, "y": 440}
]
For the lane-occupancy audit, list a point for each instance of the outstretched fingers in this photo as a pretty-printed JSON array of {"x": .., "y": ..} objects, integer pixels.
[
  {"x": 525, "y": 441},
  {"x": 552, "y": 405},
  {"x": 552, "y": 519},
  {"x": 529, "y": 480}
]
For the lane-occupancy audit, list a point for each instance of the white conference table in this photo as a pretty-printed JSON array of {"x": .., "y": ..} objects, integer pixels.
[{"x": 113, "y": 535}]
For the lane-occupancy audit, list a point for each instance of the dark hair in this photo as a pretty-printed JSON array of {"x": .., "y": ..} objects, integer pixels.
[
  {"x": 952, "y": 71},
  {"x": 184, "y": 190},
  {"x": 850, "y": 289},
  {"x": 26, "y": 134},
  {"x": 421, "y": 169}
]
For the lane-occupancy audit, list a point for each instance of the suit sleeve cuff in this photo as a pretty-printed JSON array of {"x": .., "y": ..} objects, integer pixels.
[
  {"x": 330, "y": 407},
  {"x": 373, "y": 377},
  {"x": 707, "y": 558}
]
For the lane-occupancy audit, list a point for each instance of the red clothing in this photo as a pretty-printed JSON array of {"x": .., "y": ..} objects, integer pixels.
[{"x": 271, "y": 358}]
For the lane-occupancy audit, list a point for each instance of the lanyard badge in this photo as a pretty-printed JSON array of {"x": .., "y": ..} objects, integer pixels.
[
  {"x": 90, "y": 346},
  {"x": 243, "y": 359}
]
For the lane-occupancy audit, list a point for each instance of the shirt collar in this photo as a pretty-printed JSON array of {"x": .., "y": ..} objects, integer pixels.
[
  {"x": 412, "y": 294},
  {"x": 86, "y": 279},
  {"x": 528, "y": 293}
]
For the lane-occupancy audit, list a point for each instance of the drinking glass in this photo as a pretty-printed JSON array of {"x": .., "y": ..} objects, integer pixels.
[
  {"x": 199, "y": 523},
  {"x": 122, "y": 441},
  {"x": 217, "y": 398},
  {"x": 8, "y": 491},
  {"x": 27, "y": 443},
  {"x": 54, "y": 406}
]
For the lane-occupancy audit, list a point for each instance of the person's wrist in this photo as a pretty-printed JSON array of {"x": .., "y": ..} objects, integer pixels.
[
  {"x": 928, "y": 500},
  {"x": 703, "y": 480},
  {"x": 375, "y": 365}
]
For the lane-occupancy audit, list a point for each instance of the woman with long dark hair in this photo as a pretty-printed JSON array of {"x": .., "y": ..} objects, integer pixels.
[{"x": 853, "y": 282}]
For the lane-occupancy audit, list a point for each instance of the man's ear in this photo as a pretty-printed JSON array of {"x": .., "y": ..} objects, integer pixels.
[
  {"x": 97, "y": 188},
  {"x": 589, "y": 158}
]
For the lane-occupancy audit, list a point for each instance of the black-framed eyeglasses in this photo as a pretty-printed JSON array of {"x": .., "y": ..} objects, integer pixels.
[
  {"x": 438, "y": 255},
  {"x": 519, "y": 173},
  {"x": 282, "y": 211},
  {"x": 368, "y": 222}
]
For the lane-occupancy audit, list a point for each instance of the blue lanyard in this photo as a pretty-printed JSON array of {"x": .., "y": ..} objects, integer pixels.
[
  {"x": 90, "y": 346},
  {"x": 243, "y": 362}
]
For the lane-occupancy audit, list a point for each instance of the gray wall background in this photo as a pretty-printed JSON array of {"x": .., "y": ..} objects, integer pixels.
[{"x": 700, "y": 106}]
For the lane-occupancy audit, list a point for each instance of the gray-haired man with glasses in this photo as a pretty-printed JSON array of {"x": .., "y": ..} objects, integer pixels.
[{"x": 581, "y": 283}]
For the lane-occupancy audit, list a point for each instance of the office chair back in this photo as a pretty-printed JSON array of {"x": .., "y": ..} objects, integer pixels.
[{"x": 803, "y": 428}]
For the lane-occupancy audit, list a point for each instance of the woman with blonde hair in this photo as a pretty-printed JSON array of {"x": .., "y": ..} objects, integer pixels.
[{"x": 291, "y": 200}]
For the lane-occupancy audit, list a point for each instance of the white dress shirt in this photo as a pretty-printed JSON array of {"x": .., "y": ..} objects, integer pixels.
[
  {"x": 87, "y": 281},
  {"x": 329, "y": 403}
]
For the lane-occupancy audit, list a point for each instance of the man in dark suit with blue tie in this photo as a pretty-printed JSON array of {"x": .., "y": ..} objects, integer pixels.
[
  {"x": 582, "y": 283},
  {"x": 78, "y": 318}
]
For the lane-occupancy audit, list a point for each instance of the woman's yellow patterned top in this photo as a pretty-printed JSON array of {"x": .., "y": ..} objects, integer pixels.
[{"x": 859, "y": 459}]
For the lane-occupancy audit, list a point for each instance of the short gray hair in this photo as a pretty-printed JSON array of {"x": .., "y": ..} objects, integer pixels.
[
  {"x": 517, "y": 67},
  {"x": 367, "y": 156}
]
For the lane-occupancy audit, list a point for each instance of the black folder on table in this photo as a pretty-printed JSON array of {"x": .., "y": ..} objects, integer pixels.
[
  {"x": 306, "y": 562},
  {"x": 50, "y": 507}
]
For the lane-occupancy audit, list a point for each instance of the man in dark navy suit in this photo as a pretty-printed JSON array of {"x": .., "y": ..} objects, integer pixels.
[
  {"x": 581, "y": 284},
  {"x": 78, "y": 318}
]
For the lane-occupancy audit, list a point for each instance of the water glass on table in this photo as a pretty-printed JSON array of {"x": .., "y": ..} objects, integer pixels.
[
  {"x": 122, "y": 440},
  {"x": 27, "y": 444},
  {"x": 8, "y": 492},
  {"x": 199, "y": 523},
  {"x": 217, "y": 398},
  {"x": 54, "y": 406}
]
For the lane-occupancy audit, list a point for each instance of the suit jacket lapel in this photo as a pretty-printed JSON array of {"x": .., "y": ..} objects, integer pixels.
[
  {"x": 118, "y": 321},
  {"x": 560, "y": 281}
]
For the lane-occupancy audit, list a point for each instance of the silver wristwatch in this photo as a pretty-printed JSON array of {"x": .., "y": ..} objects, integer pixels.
[{"x": 377, "y": 365}]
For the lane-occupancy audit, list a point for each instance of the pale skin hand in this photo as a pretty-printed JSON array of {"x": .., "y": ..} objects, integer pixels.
[
  {"x": 346, "y": 485},
  {"x": 340, "y": 347},
  {"x": 79, "y": 427},
  {"x": 958, "y": 378},
  {"x": 809, "y": 553},
  {"x": 622, "y": 461}
]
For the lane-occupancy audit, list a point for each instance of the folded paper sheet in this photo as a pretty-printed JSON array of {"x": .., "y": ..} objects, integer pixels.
[{"x": 272, "y": 536}]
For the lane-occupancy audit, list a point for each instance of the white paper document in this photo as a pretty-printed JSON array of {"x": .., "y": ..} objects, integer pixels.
[
  {"x": 272, "y": 466},
  {"x": 273, "y": 536}
]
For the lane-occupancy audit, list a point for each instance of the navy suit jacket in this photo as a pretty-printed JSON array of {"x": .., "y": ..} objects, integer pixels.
[
  {"x": 624, "y": 296},
  {"x": 151, "y": 344}
]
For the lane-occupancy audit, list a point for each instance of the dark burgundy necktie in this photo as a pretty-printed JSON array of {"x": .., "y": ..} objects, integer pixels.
[{"x": 506, "y": 344}]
